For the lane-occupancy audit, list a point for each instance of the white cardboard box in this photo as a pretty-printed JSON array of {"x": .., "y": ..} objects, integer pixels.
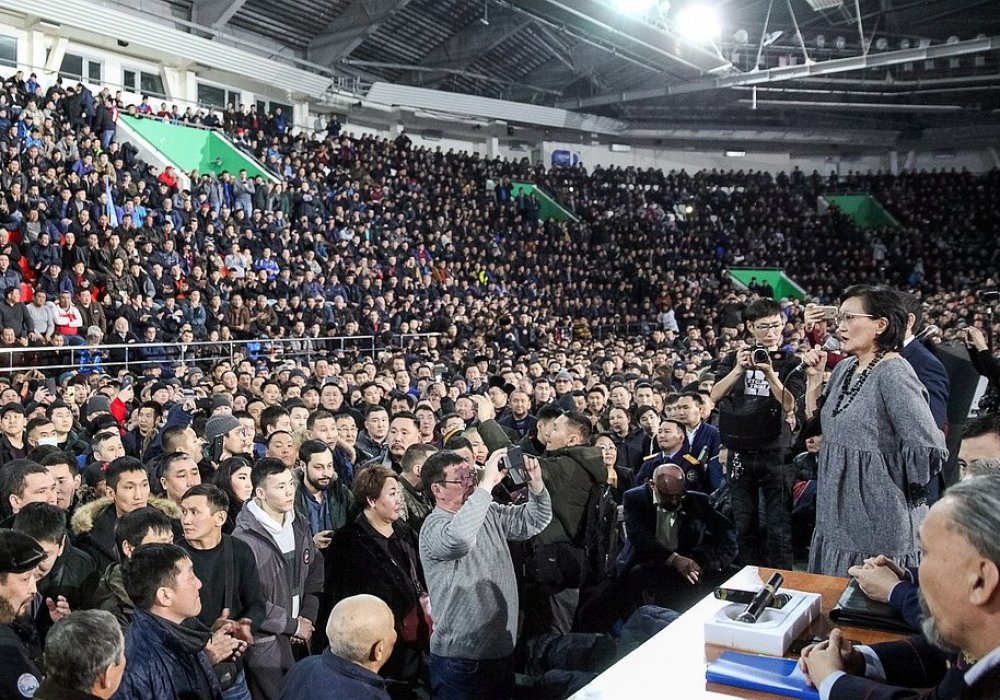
[{"x": 773, "y": 633}]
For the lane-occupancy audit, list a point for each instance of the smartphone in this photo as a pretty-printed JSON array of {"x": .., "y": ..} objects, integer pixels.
[
  {"x": 50, "y": 384},
  {"x": 513, "y": 462},
  {"x": 829, "y": 312}
]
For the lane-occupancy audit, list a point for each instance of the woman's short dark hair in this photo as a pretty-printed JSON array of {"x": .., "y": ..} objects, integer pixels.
[
  {"x": 882, "y": 303},
  {"x": 368, "y": 484}
]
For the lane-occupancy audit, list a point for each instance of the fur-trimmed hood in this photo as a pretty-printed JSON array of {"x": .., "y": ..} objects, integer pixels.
[{"x": 84, "y": 517}]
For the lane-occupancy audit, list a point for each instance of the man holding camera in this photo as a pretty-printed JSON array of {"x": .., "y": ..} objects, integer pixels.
[{"x": 757, "y": 390}]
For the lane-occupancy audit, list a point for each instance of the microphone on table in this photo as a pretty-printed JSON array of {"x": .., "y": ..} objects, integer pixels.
[{"x": 760, "y": 601}]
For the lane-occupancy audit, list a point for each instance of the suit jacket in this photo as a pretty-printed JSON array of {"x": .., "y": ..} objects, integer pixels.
[
  {"x": 915, "y": 663},
  {"x": 705, "y": 534},
  {"x": 905, "y": 598},
  {"x": 933, "y": 376},
  {"x": 705, "y": 446}
]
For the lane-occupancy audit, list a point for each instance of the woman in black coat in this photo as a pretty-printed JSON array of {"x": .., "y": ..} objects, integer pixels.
[{"x": 377, "y": 554}]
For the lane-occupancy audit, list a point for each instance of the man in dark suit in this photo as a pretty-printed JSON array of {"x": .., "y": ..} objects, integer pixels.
[
  {"x": 928, "y": 368},
  {"x": 676, "y": 540},
  {"x": 959, "y": 653},
  {"x": 881, "y": 578}
]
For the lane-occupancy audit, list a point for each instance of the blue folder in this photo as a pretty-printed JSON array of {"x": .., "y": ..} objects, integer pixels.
[{"x": 766, "y": 673}]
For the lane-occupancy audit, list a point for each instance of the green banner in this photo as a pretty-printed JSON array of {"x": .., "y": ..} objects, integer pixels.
[
  {"x": 863, "y": 209},
  {"x": 190, "y": 148},
  {"x": 548, "y": 208},
  {"x": 782, "y": 284}
]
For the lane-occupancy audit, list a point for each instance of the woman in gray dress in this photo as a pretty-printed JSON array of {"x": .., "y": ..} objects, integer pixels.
[{"x": 880, "y": 443}]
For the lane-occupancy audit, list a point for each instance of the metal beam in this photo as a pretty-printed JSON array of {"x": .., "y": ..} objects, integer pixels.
[
  {"x": 348, "y": 30},
  {"x": 214, "y": 13},
  {"x": 773, "y": 75},
  {"x": 629, "y": 34},
  {"x": 472, "y": 41},
  {"x": 584, "y": 60}
]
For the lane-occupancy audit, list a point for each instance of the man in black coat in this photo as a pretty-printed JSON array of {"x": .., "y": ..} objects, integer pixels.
[
  {"x": 959, "y": 653},
  {"x": 676, "y": 540},
  {"x": 19, "y": 555}
]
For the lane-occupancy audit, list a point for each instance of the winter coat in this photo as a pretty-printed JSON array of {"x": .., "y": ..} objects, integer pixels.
[
  {"x": 160, "y": 663},
  {"x": 93, "y": 527},
  {"x": 275, "y": 579},
  {"x": 568, "y": 474}
]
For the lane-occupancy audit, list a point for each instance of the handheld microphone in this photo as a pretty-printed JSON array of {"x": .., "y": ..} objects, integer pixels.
[{"x": 831, "y": 345}]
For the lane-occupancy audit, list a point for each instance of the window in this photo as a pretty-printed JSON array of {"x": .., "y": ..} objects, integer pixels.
[
  {"x": 80, "y": 68},
  {"x": 8, "y": 51},
  {"x": 217, "y": 97},
  {"x": 265, "y": 108},
  {"x": 139, "y": 81}
]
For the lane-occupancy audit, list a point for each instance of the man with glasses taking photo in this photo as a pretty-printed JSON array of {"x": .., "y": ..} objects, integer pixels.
[
  {"x": 469, "y": 573},
  {"x": 757, "y": 388}
]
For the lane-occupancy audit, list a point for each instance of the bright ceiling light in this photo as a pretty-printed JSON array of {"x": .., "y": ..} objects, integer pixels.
[
  {"x": 698, "y": 23},
  {"x": 634, "y": 7}
]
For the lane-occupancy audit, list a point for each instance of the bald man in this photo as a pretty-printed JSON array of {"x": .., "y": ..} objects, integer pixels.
[
  {"x": 362, "y": 633},
  {"x": 676, "y": 540}
]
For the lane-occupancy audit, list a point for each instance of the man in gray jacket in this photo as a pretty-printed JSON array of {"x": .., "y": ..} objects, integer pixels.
[
  {"x": 470, "y": 576},
  {"x": 291, "y": 575}
]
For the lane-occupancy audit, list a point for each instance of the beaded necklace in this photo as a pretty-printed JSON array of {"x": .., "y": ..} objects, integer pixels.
[{"x": 849, "y": 391}]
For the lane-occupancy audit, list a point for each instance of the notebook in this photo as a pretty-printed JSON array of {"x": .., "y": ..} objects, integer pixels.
[{"x": 770, "y": 674}]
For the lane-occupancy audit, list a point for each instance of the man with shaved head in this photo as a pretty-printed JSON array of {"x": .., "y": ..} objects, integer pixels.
[
  {"x": 362, "y": 634},
  {"x": 676, "y": 540}
]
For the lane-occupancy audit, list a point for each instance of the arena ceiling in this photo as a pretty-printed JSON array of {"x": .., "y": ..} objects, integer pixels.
[{"x": 902, "y": 64}]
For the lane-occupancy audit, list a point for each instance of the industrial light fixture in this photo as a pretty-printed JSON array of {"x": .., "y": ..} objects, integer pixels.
[
  {"x": 698, "y": 23},
  {"x": 735, "y": 154},
  {"x": 840, "y": 42},
  {"x": 772, "y": 37},
  {"x": 820, "y": 41}
]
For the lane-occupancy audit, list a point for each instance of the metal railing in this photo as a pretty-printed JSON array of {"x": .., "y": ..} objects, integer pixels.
[{"x": 112, "y": 357}]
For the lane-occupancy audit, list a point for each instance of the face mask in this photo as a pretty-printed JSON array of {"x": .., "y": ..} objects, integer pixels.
[{"x": 49, "y": 441}]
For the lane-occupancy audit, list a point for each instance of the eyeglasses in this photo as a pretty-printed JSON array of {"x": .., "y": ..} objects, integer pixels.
[
  {"x": 768, "y": 327},
  {"x": 462, "y": 479},
  {"x": 848, "y": 317}
]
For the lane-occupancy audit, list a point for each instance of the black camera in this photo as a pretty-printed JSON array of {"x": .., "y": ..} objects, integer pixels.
[
  {"x": 988, "y": 294},
  {"x": 759, "y": 355}
]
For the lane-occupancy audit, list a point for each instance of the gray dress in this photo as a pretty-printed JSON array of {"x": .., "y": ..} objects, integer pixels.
[{"x": 877, "y": 455}]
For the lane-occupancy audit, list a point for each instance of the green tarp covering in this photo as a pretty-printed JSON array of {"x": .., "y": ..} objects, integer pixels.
[
  {"x": 782, "y": 285},
  {"x": 548, "y": 207},
  {"x": 191, "y": 148},
  {"x": 863, "y": 209}
]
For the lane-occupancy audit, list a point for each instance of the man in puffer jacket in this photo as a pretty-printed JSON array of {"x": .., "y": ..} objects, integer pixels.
[{"x": 165, "y": 653}]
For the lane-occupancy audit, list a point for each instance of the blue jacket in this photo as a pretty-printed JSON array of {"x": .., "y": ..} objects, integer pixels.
[
  {"x": 160, "y": 664},
  {"x": 329, "y": 677}
]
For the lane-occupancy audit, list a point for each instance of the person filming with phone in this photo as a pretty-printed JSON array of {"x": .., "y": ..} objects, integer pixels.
[
  {"x": 470, "y": 575},
  {"x": 570, "y": 466}
]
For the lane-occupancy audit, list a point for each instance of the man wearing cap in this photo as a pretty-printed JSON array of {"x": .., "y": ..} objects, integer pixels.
[
  {"x": 13, "y": 442},
  {"x": 19, "y": 558},
  {"x": 226, "y": 437}
]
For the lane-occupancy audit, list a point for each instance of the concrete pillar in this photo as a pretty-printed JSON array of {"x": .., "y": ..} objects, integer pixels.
[{"x": 894, "y": 162}]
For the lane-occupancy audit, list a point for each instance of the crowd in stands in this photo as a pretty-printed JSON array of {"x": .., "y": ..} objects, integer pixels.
[{"x": 369, "y": 421}]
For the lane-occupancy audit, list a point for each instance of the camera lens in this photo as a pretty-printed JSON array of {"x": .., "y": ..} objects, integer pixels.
[{"x": 760, "y": 356}]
